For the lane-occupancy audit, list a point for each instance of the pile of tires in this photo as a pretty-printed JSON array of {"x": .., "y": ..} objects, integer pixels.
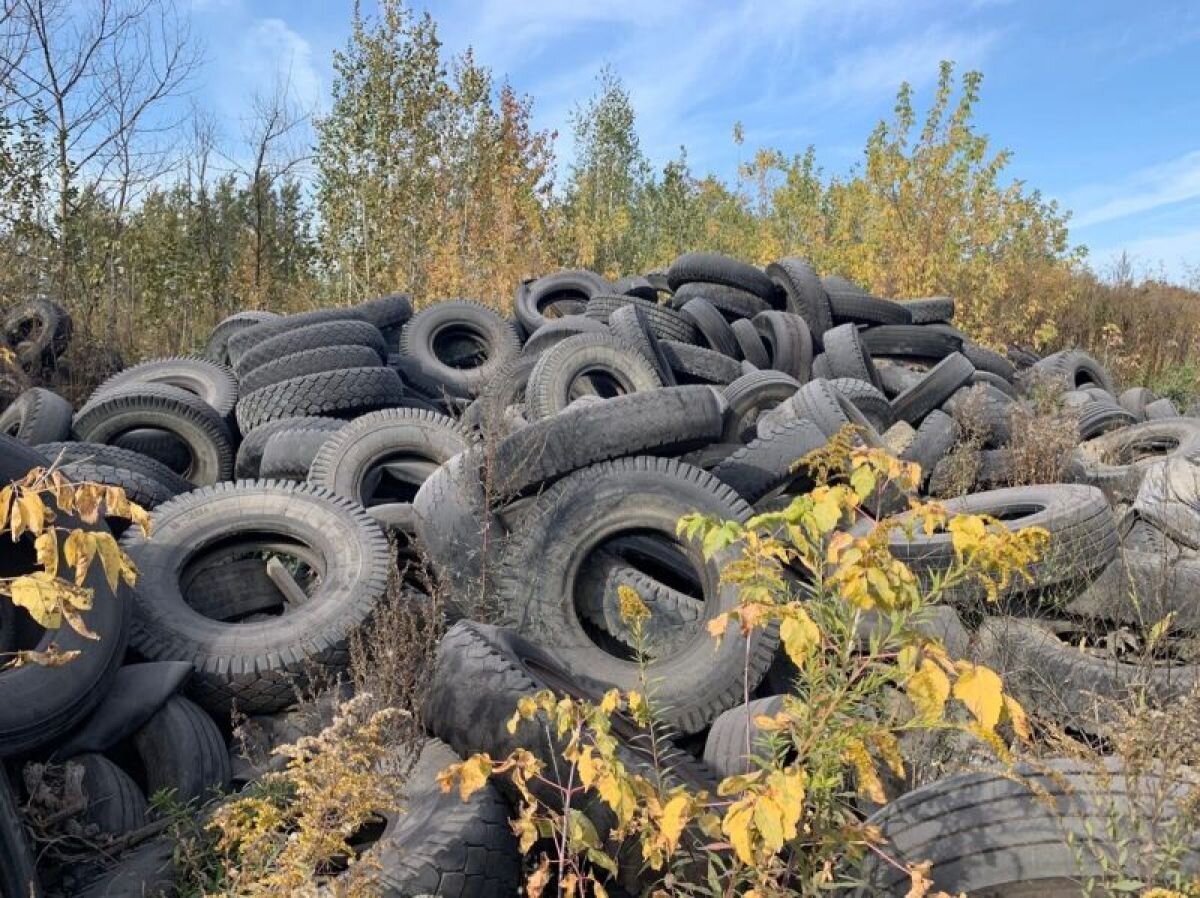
[{"x": 537, "y": 464}]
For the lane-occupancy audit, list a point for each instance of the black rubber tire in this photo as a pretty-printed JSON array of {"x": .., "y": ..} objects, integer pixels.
[
  {"x": 1116, "y": 462},
  {"x": 995, "y": 380},
  {"x": 346, "y": 393},
  {"x": 148, "y": 492},
  {"x": 714, "y": 268},
  {"x": 988, "y": 360},
  {"x": 851, "y": 304},
  {"x": 930, "y": 309},
  {"x": 309, "y": 361},
  {"x": 492, "y": 339},
  {"x": 668, "y": 421},
  {"x": 868, "y": 400},
  {"x": 933, "y": 441},
  {"x": 37, "y": 416},
  {"x": 18, "y": 873},
  {"x": 1135, "y": 399},
  {"x": 535, "y": 298},
  {"x": 115, "y": 803},
  {"x": 752, "y": 395},
  {"x": 256, "y": 664},
  {"x": 289, "y": 455},
  {"x": 250, "y": 450},
  {"x": 442, "y": 845},
  {"x": 148, "y": 871},
  {"x": 505, "y": 668},
  {"x": 631, "y": 326},
  {"x": 487, "y": 415},
  {"x": 191, "y": 420},
  {"x": 159, "y": 445},
  {"x": 461, "y": 536},
  {"x": 182, "y": 752},
  {"x": 636, "y": 285},
  {"x": 1161, "y": 410},
  {"x": 750, "y": 345},
  {"x": 806, "y": 296},
  {"x": 116, "y": 457},
  {"x": 559, "y": 374},
  {"x": 1083, "y": 534},
  {"x": 733, "y": 730},
  {"x": 1100, "y": 416},
  {"x": 558, "y": 329},
  {"x": 767, "y": 464},
  {"x": 697, "y": 365},
  {"x": 665, "y": 322},
  {"x": 820, "y": 402},
  {"x": 897, "y": 375},
  {"x": 212, "y": 383},
  {"x": 39, "y": 331},
  {"x": 788, "y": 342},
  {"x": 909, "y": 341},
  {"x": 1078, "y": 689},
  {"x": 712, "y": 327},
  {"x": 1039, "y": 829},
  {"x": 1074, "y": 369},
  {"x": 68, "y": 693},
  {"x": 1148, "y": 580},
  {"x": 351, "y": 463},
  {"x": 847, "y": 356},
  {"x": 243, "y": 341},
  {"x": 939, "y": 384},
  {"x": 987, "y": 409},
  {"x": 313, "y": 336},
  {"x": 388, "y": 313},
  {"x": 217, "y": 347},
  {"x": 731, "y": 302},
  {"x": 536, "y": 583}
]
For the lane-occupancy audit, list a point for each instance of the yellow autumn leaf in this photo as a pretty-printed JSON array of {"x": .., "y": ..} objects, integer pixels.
[
  {"x": 87, "y": 501},
  {"x": 46, "y": 547},
  {"x": 473, "y": 775},
  {"x": 865, "y": 776},
  {"x": 39, "y": 594},
  {"x": 34, "y": 511},
  {"x": 928, "y": 689},
  {"x": 768, "y": 820},
  {"x": 111, "y": 558},
  {"x": 799, "y": 636},
  {"x": 736, "y": 826},
  {"x": 6, "y": 495},
  {"x": 981, "y": 691},
  {"x": 1017, "y": 717},
  {"x": 674, "y": 818},
  {"x": 79, "y": 549},
  {"x": 826, "y": 512}
]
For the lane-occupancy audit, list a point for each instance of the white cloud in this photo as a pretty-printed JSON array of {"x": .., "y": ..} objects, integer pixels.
[
  {"x": 1167, "y": 183},
  {"x": 271, "y": 51},
  {"x": 1176, "y": 255}
]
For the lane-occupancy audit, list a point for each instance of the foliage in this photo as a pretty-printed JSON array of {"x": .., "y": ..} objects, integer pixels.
[
  {"x": 31, "y": 507},
  {"x": 296, "y": 827},
  {"x": 788, "y": 825}
]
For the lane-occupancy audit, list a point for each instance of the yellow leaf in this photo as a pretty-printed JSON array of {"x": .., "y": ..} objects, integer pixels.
[
  {"x": 919, "y": 881},
  {"x": 865, "y": 775},
  {"x": 538, "y": 879},
  {"x": 799, "y": 636},
  {"x": 736, "y": 826},
  {"x": 87, "y": 501},
  {"x": 40, "y": 596},
  {"x": 16, "y": 521},
  {"x": 768, "y": 820},
  {"x": 587, "y": 767},
  {"x": 1016, "y": 716},
  {"x": 473, "y": 775},
  {"x": 717, "y": 626},
  {"x": 110, "y": 557},
  {"x": 6, "y": 495},
  {"x": 928, "y": 689},
  {"x": 79, "y": 549},
  {"x": 674, "y": 818},
  {"x": 33, "y": 511},
  {"x": 981, "y": 691},
  {"x": 862, "y": 481},
  {"x": 46, "y": 547},
  {"x": 827, "y": 511}
]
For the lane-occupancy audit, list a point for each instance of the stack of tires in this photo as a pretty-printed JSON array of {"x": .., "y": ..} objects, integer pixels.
[{"x": 537, "y": 465}]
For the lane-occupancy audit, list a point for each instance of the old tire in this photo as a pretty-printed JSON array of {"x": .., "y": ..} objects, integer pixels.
[{"x": 37, "y": 416}]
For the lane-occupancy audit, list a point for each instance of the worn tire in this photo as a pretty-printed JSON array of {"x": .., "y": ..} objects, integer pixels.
[
  {"x": 534, "y": 299},
  {"x": 768, "y": 463},
  {"x": 37, "y": 416},
  {"x": 668, "y": 421},
  {"x": 491, "y": 339},
  {"x": 868, "y": 400},
  {"x": 939, "y": 384},
  {"x": 1135, "y": 399},
  {"x": 910, "y": 341},
  {"x": 569, "y": 369},
  {"x": 847, "y": 356},
  {"x": 712, "y": 326},
  {"x": 556, "y": 330},
  {"x": 250, "y": 450},
  {"x": 256, "y": 664},
  {"x": 182, "y": 752},
  {"x": 288, "y": 455},
  {"x": 788, "y": 341},
  {"x": 214, "y": 384},
  {"x": 570, "y": 519},
  {"x": 697, "y": 365},
  {"x": 729, "y": 301},
  {"x": 714, "y": 268},
  {"x": 217, "y": 347},
  {"x": 806, "y": 296},
  {"x": 345, "y": 393},
  {"x": 853, "y": 305},
  {"x": 1116, "y": 462},
  {"x": 753, "y": 395},
  {"x": 1074, "y": 369},
  {"x": 18, "y": 873},
  {"x": 115, "y": 803},
  {"x": 353, "y": 463},
  {"x": 309, "y": 361},
  {"x": 313, "y": 336},
  {"x": 930, "y": 309},
  {"x": 245, "y": 340},
  {"x": 733, "y": 730},
  {"x": 932, "y": 441},
  {"x": 191, "y": 420},
  {"x": 665, "y": 322}
]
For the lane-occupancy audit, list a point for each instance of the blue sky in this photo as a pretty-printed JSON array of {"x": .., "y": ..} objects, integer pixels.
[{"x": 1099, "y": 100}]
